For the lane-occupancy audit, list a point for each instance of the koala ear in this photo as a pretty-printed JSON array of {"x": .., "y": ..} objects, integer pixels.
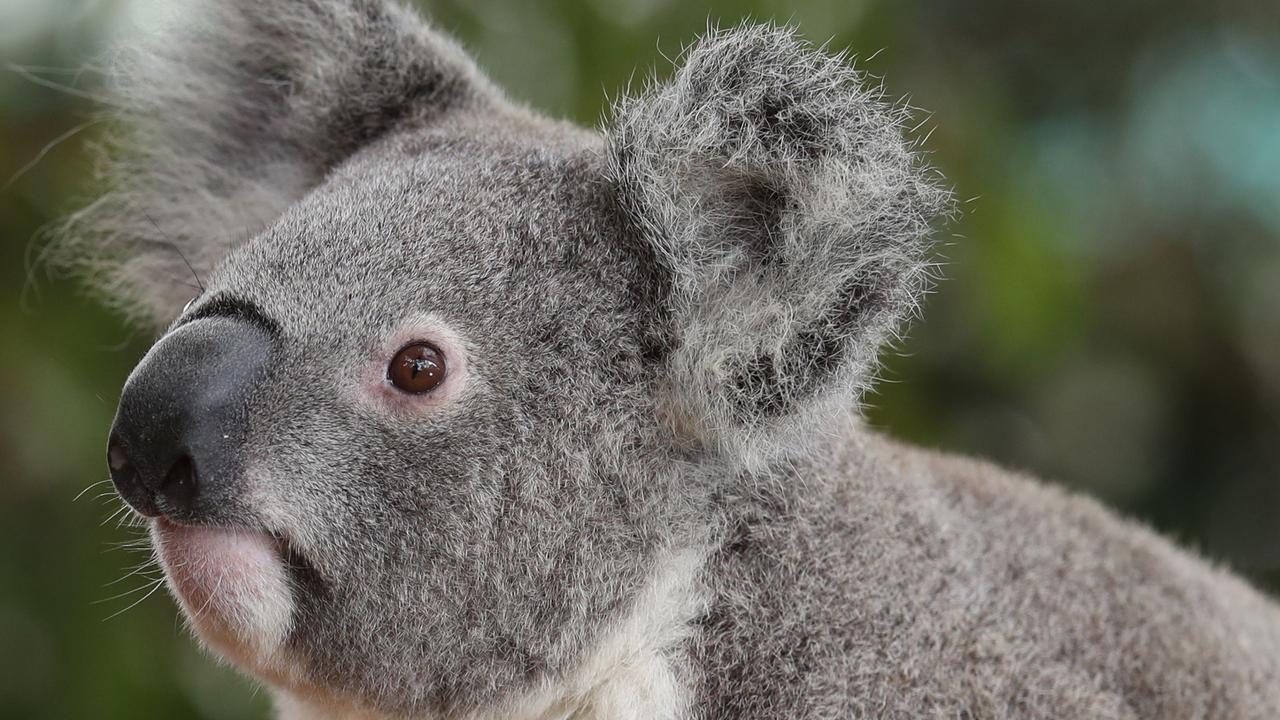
[
  {"x": 789, "y": 220},
  {"x": 235, "y": 113}
]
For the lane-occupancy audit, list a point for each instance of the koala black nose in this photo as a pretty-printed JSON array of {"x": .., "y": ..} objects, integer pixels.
[{"x": 181, "y": 419}]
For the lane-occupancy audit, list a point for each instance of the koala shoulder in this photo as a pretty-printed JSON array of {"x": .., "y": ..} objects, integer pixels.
[{"x": 902, "y": 580}]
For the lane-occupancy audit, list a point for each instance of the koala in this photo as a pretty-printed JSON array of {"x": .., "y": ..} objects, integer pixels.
[{"x": 479, "y": 414}]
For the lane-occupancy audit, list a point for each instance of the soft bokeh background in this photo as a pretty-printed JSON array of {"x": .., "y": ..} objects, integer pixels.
[{"x": 1108, "y": 319}]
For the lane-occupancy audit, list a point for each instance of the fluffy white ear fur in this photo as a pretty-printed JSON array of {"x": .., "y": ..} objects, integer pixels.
[
  {"x": 778, "y": 193},
  {"x": 232, "y": 114}
]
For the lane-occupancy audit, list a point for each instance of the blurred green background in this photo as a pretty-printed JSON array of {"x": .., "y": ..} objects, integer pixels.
[{"x": 1108, "y": 318}]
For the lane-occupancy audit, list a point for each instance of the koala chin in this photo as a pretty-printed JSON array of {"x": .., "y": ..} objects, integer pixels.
[{"x": 478, "y": 414}]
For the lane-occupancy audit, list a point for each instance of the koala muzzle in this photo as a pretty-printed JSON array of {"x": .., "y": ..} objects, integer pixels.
[{"x": 174, "y": 445}]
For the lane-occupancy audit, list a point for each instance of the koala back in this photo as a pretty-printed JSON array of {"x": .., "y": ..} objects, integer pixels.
[{"x": 893, "y": 582}]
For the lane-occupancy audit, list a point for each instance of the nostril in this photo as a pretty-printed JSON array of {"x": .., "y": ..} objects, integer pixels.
[
  {"x": 127, "y": 481},
  {"x": 178, "y": 491},
  {"x": 117, "y": 458}
]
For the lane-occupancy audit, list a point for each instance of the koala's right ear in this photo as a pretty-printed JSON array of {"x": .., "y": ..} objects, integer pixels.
[{"x": 236, "y": 112}]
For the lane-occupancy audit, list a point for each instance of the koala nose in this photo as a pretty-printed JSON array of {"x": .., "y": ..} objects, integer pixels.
[{"x": 181, "y": 418}]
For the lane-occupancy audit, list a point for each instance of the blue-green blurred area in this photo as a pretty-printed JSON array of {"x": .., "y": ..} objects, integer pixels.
[{"x": 1107, "y": 316}]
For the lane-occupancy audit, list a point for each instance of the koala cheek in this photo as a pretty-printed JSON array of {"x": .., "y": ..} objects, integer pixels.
[{"x": 232, "y": 585}]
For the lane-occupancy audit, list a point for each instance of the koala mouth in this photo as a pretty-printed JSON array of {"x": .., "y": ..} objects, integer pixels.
[
  {"x": 302, "y": 572},
  {"x": 234, "y": 584}
]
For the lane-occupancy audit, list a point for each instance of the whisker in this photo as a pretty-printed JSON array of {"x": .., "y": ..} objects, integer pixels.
[
  {"x": 117, "y": 513},
  {"x": 127, "y": 593},
  {"x": 88, "y": 488},
  {"x": 158, "y": 584},
  {"x": 141, "y": 544},
  {"x": 176, "y": 248},
  {"x": 138, "y": 570},
  {"x": 130, "y": 520}
]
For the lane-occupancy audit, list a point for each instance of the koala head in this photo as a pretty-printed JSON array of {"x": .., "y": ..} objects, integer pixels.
[{"x": 457, "y": 378}]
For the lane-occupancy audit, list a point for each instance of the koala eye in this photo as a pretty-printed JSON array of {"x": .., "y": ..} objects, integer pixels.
[{"x": 417, "y": 368}]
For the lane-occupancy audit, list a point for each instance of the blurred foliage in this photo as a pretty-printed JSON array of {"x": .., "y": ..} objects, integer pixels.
[{"x": 1107, "y": 319}]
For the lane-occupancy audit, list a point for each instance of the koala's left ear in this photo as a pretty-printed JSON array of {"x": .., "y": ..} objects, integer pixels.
[
  {"x": 238, "y": 110},
  {"x": 789, "y": 219}
]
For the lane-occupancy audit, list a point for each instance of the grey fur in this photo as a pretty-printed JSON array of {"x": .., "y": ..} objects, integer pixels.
[
  {"x": 791, "y": 222},
  {"x": 667, "y": 331},
  {"x": 232, "y": 118}
]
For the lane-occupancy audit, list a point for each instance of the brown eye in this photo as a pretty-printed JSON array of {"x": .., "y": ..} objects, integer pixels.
[{"x": 418, "y": 368}]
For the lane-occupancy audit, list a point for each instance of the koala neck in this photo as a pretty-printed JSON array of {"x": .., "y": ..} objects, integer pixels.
[{"x": 634, "y": 672}]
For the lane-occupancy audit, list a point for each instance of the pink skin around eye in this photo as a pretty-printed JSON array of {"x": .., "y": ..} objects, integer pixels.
[{"x": 375, "y": 388}]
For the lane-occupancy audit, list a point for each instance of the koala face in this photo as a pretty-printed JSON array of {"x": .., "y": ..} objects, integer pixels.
[
  {"x": 464, "y": 503},
  {"x": 460, "y": 378}
]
